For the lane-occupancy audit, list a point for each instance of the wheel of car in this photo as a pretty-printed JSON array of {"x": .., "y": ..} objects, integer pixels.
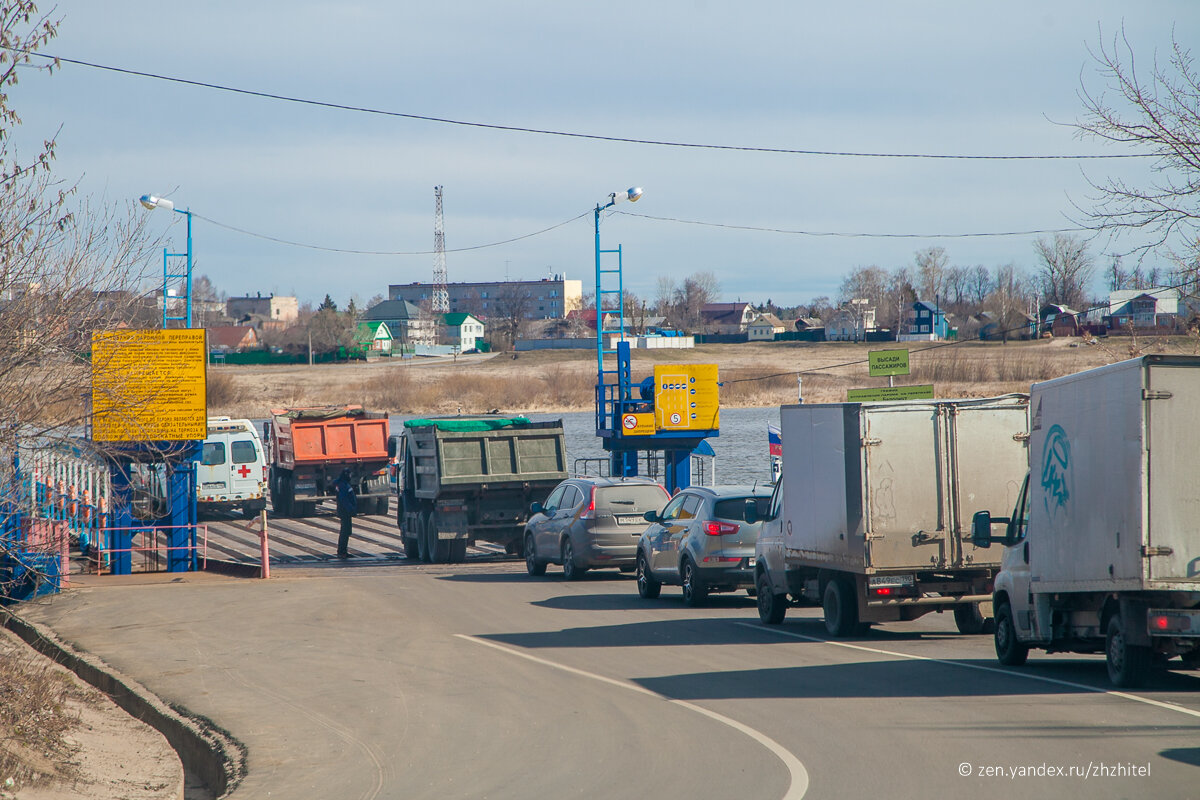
[
  {"x": 695, "y": 592},
  {"x": 1009, "y": 650},
  {"x": 1127, "y": 663},
  {"x": 533, "y": 564},
  {"x": 841, "y": 611},
  {"x": 571, "y": 570},
  {"x": 969, "y": 620},
  {"x": 439, "y": 549},
  {"x": 648, "y": 588},
  {"x": 771, "y": 607}
]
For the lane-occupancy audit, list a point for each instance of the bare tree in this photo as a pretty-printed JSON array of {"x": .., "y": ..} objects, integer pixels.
[
  {"x": 68, "y": 268},
  {"x": 1156, "y": 113},
  {"x": 329, "y": 329},
  {"x": 979, "y": 283},
  {"x": 932, "y": 264},
  {"x": 1065, "y": 270},
  {"x": 865, "y": 282},
  {"x": 1008, "y": 300},
  {"x": 511, "y": 310}
]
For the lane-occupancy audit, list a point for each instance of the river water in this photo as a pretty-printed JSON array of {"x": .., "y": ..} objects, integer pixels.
[{"x": 742, "y": 455}]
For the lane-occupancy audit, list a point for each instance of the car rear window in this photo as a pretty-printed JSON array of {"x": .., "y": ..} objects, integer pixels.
[
  {"x": 213, "y": 455},
  {"x": 243, "y": 451},
  {"x": 626, "y": 499},
  {"x": 734, "y": 508}
]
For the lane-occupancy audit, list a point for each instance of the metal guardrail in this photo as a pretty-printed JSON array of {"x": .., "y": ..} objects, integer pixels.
[{"x": 651, "y": 464}]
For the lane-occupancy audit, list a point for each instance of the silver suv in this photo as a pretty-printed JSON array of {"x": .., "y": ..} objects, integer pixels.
[
  {"x": 590, "y": 522},
  {"x": 702, "y": 542}
]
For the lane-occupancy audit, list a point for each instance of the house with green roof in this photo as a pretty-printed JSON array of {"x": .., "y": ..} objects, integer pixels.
[
  {"x": 375, "y": 338},
  {"x": 461, "y": 330}
]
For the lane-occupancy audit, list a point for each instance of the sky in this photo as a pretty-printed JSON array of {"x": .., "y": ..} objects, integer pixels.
[{"x": 879, "y": 77}]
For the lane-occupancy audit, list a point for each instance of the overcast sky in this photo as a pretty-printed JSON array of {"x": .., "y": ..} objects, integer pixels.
[{"x": 924, "y": 77}]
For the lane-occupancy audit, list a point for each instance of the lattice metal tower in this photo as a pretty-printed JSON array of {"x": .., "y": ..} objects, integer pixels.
[{"x": 441, "y": 294}]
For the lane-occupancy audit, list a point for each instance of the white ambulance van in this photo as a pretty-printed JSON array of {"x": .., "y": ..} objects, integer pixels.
[{"x": 232, "y": 472}]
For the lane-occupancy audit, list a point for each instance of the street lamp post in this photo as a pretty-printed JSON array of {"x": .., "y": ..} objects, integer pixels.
[
  {"x": 151, "y": 202},
  {"x": 623, "y": 462}
]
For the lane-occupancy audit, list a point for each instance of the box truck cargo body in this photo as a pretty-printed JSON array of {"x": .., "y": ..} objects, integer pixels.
[
  {"x": 1102, "y": 550},
  {"x": 872, "y": 515}
]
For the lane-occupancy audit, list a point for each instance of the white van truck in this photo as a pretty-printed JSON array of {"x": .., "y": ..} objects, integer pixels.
[
  {"x": 1101, "y": 552},
  {"x": 232, "y": 472}
]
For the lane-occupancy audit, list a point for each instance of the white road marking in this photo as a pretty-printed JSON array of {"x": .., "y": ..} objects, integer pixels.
[
  {"x": 1010, "y": 673},
  {"x": 797, "y": 774}
]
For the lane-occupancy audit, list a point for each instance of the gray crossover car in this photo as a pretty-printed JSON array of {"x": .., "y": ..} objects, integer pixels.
[
  {"x": 590, "y": 522},
  {"x": 702, "y": 542}
]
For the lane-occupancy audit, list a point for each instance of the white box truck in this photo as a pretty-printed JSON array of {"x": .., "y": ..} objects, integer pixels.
[
  {"x": 1102, "y": 551},
  {"x": 872, "y": 515}
]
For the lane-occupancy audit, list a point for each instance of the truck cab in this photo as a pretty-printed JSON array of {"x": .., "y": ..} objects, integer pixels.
[{"x": 232, "y": 471}]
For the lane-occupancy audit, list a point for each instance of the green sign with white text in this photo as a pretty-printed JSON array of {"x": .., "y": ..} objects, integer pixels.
[
  {"x": 887, "y": 362},
  {"x": 888, "y": 393}
]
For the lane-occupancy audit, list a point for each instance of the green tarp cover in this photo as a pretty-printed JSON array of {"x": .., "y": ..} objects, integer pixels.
[{"x": 468, "y": 424}]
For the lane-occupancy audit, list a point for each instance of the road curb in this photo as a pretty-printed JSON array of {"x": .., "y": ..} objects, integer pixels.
[
  {"x": 209, "y": 753},
  {"x": 235, "y": 569}
]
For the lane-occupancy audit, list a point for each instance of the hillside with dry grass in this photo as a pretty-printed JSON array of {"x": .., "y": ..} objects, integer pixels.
[{"x": 752, "y": 374}]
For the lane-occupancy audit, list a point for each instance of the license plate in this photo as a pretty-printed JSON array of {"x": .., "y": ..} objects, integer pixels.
[{"x": 629, "y": 519}]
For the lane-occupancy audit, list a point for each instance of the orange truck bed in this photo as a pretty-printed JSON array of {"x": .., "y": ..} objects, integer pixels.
[{"x": 326, "y": 434}]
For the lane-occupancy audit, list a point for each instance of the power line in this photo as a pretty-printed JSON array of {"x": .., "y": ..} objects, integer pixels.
[
  {"x": 852, "y": 235},
  {"x": 383, "y": 252},
  {"x": 590, "y": 136}
]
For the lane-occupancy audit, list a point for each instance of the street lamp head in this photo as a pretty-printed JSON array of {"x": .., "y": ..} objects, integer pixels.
[
  {"x": 634, "y": 193},
  {"x": 151, "y": 202}
]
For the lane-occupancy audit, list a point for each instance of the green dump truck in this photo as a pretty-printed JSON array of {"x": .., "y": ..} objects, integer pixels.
[{"x": 461, "y": 480}]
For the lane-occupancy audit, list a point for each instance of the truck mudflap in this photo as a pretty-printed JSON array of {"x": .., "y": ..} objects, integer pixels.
[{"x": 1174, "y": 623}]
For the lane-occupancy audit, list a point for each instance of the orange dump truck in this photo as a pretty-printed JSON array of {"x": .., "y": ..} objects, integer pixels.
[{"x": 309, "y": 447}]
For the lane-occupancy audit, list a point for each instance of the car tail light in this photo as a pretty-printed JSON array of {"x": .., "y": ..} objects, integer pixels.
[
  {"x": 266, "y": 473},
  {"x": 590, "y": 511},
  {"x": 715, "y": 528}
]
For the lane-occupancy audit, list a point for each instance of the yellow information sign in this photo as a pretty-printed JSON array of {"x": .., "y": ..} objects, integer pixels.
[
  {"x": 149, "y": 385},
  {"x": 637, "y": 424},
  {"x": 686, "y": 397}
]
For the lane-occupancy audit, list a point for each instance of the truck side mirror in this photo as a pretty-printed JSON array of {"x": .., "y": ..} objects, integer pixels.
[
  {"x": 391, "y": 446},
  {"x": 535, "y": 508},
  {"x": 981, "y": 529},
  {"x": 751, "y": 512}
]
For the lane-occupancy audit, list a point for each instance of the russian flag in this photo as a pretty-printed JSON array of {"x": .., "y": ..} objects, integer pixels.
[{"x": 774, "y": 440}]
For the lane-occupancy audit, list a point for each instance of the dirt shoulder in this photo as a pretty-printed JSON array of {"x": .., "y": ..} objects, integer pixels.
[
  {"x": 753, "y": 374},
  {"x": 85, "y": 747}
]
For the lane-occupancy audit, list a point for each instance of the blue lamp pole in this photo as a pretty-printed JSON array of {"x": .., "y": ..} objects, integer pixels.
[
  {"x": 151, "y": 202},
  {"x": 610, "y": 394}
]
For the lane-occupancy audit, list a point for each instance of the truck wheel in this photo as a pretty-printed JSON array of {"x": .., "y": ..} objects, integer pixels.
[
  {"x": 533, "y": 565},
  {"x": 1127, "y": 663},
  {"x": 382, "y": 506},
  {"x": 969, "y": 620},
  {"x": 282, "y": 506},
  {"x": 695, "y": 593},
  {"x": 648, "y": 588},
  {"x": 771, "y": 607},
  {"x": 1009, "y": 650},
  {"x": 423, "y": 535},
  {"x": 571, "y": 570},
  {"x": 411, "y": 551},
  {"x": 439, "y": 549},
  {"x": 458, "y": 551},
  {"x": 841, "y": 610}
]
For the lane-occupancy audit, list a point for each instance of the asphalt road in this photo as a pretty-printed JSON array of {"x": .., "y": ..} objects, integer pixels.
[{"x": 388, "y": 679}]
